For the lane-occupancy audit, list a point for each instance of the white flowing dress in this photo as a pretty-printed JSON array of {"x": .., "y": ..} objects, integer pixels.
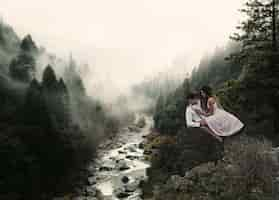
[{"x": 223, "y": 123}]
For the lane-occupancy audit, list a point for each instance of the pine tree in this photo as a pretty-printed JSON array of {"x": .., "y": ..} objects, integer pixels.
[
  {"x": 74, "y": 80},
  {"x": 35, "y": 108},
  {"x": 57, "y": 97},
  {"x": 2, "y": 39},
  {"x": 257, "y": 33},
  {"x": 258, "y": 55},
  {"x": 64, "y": 111},
  {"x": 49, "y": 78},
  {"x": 23, "y": 67},
  {"x": 159, "y": 109},
  {"x": 28, "y": 45}
]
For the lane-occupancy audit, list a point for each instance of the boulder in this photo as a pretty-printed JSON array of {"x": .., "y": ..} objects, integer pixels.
[
  {"x": 132, "y": 148},
  {"x": 122, "y": 165},
  {"x": 107, "y": 167},
  {"x": 92, "y": 169},
  {"x": 125, "y": 179},
  {"x": 147, "y": 152},
  {"x": 195, "y": 146},
  {"x": 92, "y": 180},
  {"x": 141, "y": 145},
  {"x": 132, "y": 157},
  {"x": 131, "y": 187},
  {"x": 122, "y": 152},
  {"x": 121, "y": 193},
  {"x": 91, "y": 191}
]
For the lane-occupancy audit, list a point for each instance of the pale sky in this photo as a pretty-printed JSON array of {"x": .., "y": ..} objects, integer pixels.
[{"x": 126, "y": 39}]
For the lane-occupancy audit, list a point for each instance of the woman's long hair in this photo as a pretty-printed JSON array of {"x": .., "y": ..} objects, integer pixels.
[{"x": 208, "y": 93}]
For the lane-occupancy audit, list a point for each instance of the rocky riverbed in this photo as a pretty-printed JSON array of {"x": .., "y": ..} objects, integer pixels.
[{"x": 120, "y": 167}]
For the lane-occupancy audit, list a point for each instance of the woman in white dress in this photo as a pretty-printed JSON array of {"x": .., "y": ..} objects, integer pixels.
[{"x": 219, "y": 121}]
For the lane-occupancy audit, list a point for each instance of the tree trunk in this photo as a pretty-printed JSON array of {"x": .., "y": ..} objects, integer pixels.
[{"x": 274, "y": 37}]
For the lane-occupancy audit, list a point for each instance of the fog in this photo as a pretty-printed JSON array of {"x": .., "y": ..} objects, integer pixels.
[{"x": 125, "y": 41}]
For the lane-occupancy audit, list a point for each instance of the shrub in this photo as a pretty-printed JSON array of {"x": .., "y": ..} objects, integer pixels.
[{"x": 255, "y": 166}]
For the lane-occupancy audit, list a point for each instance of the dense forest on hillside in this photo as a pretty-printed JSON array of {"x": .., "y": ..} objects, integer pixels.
[
  {"x": 161, "y": 84},
  {"x": 244, "y": 75},
  {"x": 215, "y": 70},
  {"x": 49, "y": 126}
]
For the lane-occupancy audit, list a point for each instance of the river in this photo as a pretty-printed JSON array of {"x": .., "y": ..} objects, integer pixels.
[{"x": 120, "y": 166}]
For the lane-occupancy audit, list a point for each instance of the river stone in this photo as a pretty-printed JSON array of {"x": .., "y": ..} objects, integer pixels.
[
  {"x": 92, "y": 180},
  {"x": 122, "y": 152},
  {"x": 121, "y": 193},
  {"x": 116, "y": 146},
  {"x": 141, "y": 145},
  {"x": 106, "y": 168},
  {"x": 91, "y": 173},
  {"x": 131, "y": 148},
  {"x": 91, "y": 191},
  {"x": 122, "y": 165},
  {"x": 131, "y": 157},
  {"x": 147, "y": 152},
  {"x": 131, "y": 187},
  {"x": 125, "y": 179}
]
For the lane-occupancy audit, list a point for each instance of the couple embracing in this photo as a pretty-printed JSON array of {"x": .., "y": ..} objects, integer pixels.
[{"x": 203, "y": 111}]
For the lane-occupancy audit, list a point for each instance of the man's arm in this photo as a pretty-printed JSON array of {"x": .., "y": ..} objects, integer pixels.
[{"x": 189, "y": 119}]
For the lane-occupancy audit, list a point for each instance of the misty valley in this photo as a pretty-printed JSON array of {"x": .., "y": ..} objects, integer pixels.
[{"x": 116, "y": 127}]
